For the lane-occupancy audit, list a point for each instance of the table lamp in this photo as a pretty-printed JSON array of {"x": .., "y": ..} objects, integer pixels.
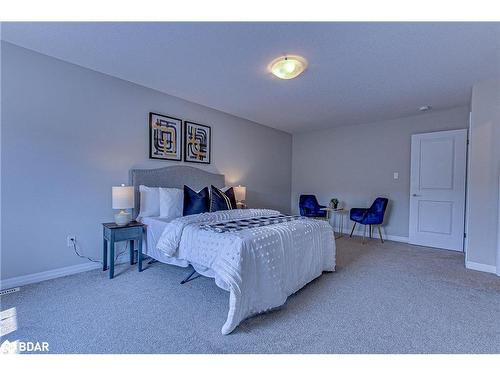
[
  {"x": 240, "y": 193},
  {"x": 123, "y": 198}
]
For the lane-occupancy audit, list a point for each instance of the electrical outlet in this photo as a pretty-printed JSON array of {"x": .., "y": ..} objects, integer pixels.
[{"x": 70, "y": 240}]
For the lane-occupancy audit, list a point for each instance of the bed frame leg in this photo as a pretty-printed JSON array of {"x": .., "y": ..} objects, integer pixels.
[{"x": 189, "y": 277}]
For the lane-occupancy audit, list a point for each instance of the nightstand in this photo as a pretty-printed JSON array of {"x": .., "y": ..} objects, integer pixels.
[{"x": 112, "y": 233}]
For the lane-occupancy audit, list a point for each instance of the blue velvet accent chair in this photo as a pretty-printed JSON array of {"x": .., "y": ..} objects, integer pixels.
[
  {"x": 370, "y": 216},
  {"x": 310, "y": 207}
]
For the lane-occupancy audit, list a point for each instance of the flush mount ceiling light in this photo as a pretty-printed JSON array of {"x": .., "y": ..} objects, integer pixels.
[{"x": 288, "y": 67}]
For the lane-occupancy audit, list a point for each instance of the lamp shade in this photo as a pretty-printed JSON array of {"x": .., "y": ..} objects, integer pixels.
[
  {"x": 240, "y": 193},
  {"x": 123, "y": 197}
]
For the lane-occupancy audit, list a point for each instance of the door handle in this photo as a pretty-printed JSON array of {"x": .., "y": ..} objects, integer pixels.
[{"x": 415, "y": 195}]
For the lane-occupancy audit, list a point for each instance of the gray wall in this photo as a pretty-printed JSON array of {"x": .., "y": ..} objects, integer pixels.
[
  {"x": 356, "y": 163},
  {"x": 0, "y": 146},
  {"x": 484, "y": 173},
  {"x": 69, "y": 134}
]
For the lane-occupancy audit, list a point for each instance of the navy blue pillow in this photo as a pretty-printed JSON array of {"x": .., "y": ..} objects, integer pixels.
[
  {"x": 195, "y": 203},
  {"x": 220, "y": 200},
  {"x": 230, "y": 194}
]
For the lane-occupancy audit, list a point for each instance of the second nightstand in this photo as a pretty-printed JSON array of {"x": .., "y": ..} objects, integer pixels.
[{"x": 114, "y": 233}]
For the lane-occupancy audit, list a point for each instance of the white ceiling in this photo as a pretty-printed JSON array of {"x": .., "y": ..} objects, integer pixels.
[{"x": 358, "y": 72}]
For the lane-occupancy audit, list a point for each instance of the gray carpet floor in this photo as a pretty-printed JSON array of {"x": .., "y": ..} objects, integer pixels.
[{"x": 384, "y": 298}]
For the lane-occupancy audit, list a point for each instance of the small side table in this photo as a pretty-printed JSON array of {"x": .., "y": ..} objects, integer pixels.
[
  {"x": 330, "y": 212},
  {"x": 112, "y": 233}
]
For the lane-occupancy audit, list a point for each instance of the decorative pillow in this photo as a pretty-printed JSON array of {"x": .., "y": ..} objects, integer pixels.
[
  {"x": 195, "y": 203},
  {"x": 229, "y": 191},
  {"x": 220, "y": 200},
  {"x": 171, "y": 203},
  {"x": 150, "y": 201}
]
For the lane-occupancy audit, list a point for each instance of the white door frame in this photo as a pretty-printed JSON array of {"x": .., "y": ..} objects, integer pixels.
[
  {"x": 467, "y": 194},
  {"x": 498, "y": 231}
]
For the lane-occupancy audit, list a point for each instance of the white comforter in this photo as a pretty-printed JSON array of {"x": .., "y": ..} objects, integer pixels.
[{"x": 260, "y": 267}]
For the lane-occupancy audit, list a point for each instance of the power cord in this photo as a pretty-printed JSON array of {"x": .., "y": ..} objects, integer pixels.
[
  {"x": 75, "y": 249},
  {"x": 80, "y": 255},
  {"x": 122, "y": 252}
]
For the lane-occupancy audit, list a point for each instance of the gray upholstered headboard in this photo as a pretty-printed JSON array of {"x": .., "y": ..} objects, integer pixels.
[{"x": 175, "y": 176}]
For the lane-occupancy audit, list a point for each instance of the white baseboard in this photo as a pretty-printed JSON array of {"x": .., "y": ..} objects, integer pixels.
[
  {"x": 53, "y": 274},
  {"x": 47, "y": 275},
  {"x": 480, "y": 267},
  {"x": 390, "y": 237},
  {"x": 359, "y": 232}
]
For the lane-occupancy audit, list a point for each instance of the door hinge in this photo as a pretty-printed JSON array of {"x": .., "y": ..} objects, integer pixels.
[{"x": 465, "y": 235}]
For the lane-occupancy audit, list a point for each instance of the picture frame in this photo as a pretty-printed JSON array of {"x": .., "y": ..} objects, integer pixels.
[
  {"x": 197, "y": 143},
  {"x": 165, "y": 137}
]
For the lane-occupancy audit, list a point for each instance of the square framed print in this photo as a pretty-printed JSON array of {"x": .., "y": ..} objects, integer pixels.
[
  {"x": 197, "y": 142},
  {"x": 165, "y": 137}
]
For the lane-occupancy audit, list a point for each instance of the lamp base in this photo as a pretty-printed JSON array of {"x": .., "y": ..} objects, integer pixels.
[{"x": 122, "y": 218}]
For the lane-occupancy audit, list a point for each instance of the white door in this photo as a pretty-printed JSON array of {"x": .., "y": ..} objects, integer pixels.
[{"x": 437, "y": 189}]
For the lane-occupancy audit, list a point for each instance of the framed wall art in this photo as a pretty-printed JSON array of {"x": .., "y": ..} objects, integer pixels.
[
  {"x": 197, "y": 142},
  {"x": 165, "y": 137}
]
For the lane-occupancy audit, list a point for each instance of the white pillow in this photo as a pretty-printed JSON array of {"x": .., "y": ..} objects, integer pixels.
[
  {"x": 150, "y": 201},
  {"x": 171, "y": 202}
]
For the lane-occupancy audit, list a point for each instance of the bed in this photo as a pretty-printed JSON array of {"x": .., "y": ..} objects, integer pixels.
[{"x": 259, "y": 266}]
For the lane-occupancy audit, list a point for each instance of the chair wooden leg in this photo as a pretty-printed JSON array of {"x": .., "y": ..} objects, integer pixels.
[
  {"x": 380, "y": 234},
  {"x": 352, "y": 231},
  {"x": 371, "y": 231}
]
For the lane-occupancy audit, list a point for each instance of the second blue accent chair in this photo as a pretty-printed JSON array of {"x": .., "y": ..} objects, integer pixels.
[
  {"x": 370, "y": 216},
  {"x": 310, "y": 207}
]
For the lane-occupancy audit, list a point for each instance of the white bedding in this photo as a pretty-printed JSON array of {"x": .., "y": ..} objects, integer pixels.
[
  {"x": 260, "y": 267},
  {"x": 155, "y": 227}
]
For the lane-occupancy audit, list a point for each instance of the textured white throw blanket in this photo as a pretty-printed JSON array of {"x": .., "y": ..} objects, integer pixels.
[{"x": 260, "y": 267}]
